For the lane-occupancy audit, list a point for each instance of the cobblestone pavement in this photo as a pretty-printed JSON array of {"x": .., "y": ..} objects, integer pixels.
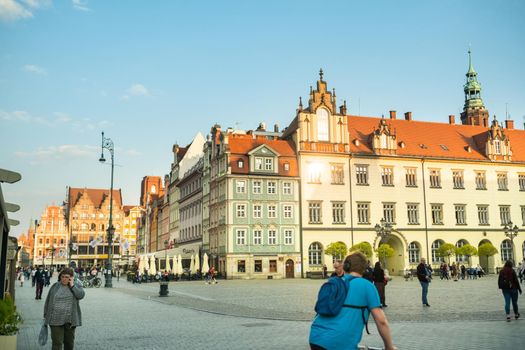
[{"x": 275, "y": 314}]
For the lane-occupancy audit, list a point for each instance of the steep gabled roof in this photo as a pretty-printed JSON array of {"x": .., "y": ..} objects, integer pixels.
[{"x": 97, "y": 196}]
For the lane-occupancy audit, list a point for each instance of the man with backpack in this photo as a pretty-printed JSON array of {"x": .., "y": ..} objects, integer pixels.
[{"x": 343, "y": 307}]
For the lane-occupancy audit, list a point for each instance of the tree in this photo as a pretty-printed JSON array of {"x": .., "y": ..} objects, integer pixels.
[
  {"x": 446, "y": 250},
  {"x": 363, "y": 247},
  {"x": 384, "y": 251},
  {"x": 487, "y": 249},
  {"x": 467, "y": 250},
  {"x": 337, "y": 250}
]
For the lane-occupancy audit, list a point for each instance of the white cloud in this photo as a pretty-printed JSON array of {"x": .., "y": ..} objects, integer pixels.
[
  {"x": 58, "y": 119},
  {"x": 23, "y": 116},
  {"x": 61, "y": 152},
  {"x": 138, "y": 90},
  {"x": 80, "y": 5},
  {"x": 12, "y": 10},
  {"x": 33, "y": 68}
]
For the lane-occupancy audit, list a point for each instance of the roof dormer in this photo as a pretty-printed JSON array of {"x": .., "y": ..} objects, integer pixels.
[
  {"x": 384, "y": 139},
  {"x": 498, "y": 144}
]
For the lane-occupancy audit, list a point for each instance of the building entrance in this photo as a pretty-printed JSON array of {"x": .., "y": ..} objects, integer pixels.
[
  {"x": 396, "y": 263},
  {"x": 289, "y": 268}
]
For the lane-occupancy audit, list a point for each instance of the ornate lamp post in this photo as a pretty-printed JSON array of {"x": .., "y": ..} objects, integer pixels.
[
  {"x": 107, "y": 143},
  {"x": 511, "y": 233},
  {"x": 52, "y": 250},
  {"x": 383, "y": 230},
  {"x": 166, "y": 246}
]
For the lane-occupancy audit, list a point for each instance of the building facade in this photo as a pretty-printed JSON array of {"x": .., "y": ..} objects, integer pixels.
[{"x": 51, "y": 238}]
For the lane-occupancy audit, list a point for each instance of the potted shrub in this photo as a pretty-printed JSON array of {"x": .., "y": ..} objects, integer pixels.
[{"x": 10, "y": 321}]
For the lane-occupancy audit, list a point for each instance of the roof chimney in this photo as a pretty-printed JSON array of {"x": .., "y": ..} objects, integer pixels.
[
  {"x": 408, "y": 115},
  {"x": 276, "y": 128},
  {"x": 393, "y": 115},
  {"x": 451, "y": 119},
  {"x": 342, "y": 108},
  {"x": 509, "y": 124}
]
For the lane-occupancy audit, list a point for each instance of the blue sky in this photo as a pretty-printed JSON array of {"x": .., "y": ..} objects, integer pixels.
[{"x": 152, "y": 73}]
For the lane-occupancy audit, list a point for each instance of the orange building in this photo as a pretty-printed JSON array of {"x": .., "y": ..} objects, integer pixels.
[{"x": 50, "y": 248}]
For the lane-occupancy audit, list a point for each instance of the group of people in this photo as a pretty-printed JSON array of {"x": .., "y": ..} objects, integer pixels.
[{"x": 457, "y": 271}]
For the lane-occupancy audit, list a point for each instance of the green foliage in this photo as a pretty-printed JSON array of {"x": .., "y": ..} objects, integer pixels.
[
  {"x": 446, "y": 250},
  {"x": 363, "y": 247},
  {"x": 385, "y": 251},
  {"x": 467, "y": 250},
  {"x": 487, "y": 249},
  {"x": 337, "y": 250},
  {"x": 10, "y": 319}
]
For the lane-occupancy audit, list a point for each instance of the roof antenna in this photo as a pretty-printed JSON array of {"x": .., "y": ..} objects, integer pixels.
[{"x": 506, "y": 111}]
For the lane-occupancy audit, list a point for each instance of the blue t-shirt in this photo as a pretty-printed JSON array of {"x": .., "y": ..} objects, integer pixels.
[{"x": 344, "y": 331}]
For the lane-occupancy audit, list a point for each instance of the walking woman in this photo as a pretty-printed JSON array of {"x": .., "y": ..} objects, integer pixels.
[
  {"x": 509, "y": 285},
  {"x": 62, "y": 311},
  {"x": 380, "y": 282}
]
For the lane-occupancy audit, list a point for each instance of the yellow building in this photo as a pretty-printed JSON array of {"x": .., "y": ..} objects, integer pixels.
[
  {"x": 51, "y": 238},
  {"x": 129, "y": 235}
]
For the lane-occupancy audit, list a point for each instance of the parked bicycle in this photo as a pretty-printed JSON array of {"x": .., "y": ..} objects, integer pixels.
[{"x": 91, "y": 282}]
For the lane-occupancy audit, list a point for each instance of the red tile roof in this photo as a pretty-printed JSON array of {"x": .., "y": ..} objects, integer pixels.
[{"x": 97, "y": 196}]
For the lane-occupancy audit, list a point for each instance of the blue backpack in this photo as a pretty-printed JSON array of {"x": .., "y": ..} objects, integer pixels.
[{"x": 332, "y": 296}]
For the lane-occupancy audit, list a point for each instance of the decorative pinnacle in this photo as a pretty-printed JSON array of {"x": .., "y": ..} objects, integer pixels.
[
  {"x": 321, "y": 74},
  {"x": 300, "y": 102}
]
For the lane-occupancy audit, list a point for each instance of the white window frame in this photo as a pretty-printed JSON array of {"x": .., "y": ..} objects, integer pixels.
[
  {"x": 288, "y": 236},
  {"x": 461, "y": 214},
  {"x": 240, "y": 210},
  {"x": 413, "y": 253},
  {"x": 411, "y": 177},
  {"x": 257, "y": 211},
  {"x": 436, "y": 210},
  {"x": 338, "y": 212},
  {"x": 389, "y": 212},
  {"x": 257, "y": 237},
  {"x": 287, "y": 188},
  {"x": 504, "y": 214},
  {"x": 240, "y": 234},
  {"x": 272, "y": 236},
  {"x": 361, "y": 173},
  {"x": 481, "y": 180},
  {"x": 458, "y": 179},
  {"x": 240, "y": 186},
  {"x": 483, "y": 214},
  {"x": 271, "y": 187},
  {"x": 287, "y": 211},
  {"x": 413, "y": 213},
  {"x": 315, "y": 213},
  {"x": 363, "y": 213},
  {"x": 257, "y": 186},
  {"x": 387, "y": 176},
  {"x": 272, "y": 211}
]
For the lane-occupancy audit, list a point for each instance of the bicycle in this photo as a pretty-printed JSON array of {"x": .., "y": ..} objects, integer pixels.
[{"x": 92, "y": 282}]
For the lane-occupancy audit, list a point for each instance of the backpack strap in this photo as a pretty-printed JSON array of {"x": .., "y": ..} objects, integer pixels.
[{"x": 363, "y": 308}]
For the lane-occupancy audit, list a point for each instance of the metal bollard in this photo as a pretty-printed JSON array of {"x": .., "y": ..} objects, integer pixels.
[{"x": 163, "y": 292}]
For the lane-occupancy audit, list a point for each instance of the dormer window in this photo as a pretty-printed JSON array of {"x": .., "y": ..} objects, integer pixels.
[
  {"x": 240, "y": 164},
  {"x": 264, "y": 163},
  {"x": 497, "y": 146},
  {"x": 286, "y": 166},
  {"x": 322, "y": 124}
]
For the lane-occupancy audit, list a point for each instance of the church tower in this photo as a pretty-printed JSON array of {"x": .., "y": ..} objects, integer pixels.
[{"x": 474, "y": 112}]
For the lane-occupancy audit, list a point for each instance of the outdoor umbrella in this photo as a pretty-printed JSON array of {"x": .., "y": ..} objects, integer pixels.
[
  {"x": 192, "y": 263},
  {"x": 197, "y": 262},
  {"x": 205, "y": 264},
  {"x": 175, "y": 268},
  {"x": 152, "y": 267},
  {"x": 179, "y": 264},
  {"x": 141, "y": 264},
  {"x": 146, "y": 264},
  {"x": 168, "y": 267}
]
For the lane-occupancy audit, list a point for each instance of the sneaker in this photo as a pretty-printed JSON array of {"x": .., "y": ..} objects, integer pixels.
[
  {"x": 517, "y": 316},
  {"x": 427, "y": 304},
  {"x": 508, "y": 318}
]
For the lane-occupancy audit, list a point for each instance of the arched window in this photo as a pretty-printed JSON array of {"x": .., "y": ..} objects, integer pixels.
[
  {"x": 322, "y": 125},
  {"x": 413, "y": 253},
  {"x": 93, "y": 227},
  {"x": 461, "y": 258},
  {"x": 435, "y": 247},
  {"x": 506, "y": 250},
  {"x": 314, "y": 254},
  {"x": 153, "y": 189},
  {"x": 383, "y": 141}
]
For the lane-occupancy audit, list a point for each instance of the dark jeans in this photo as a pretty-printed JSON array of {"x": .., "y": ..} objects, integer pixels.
[
  {"x": 381, "y": 291},
  {"x": 424, "y": 292},
  {"x": 511, "y": 294},
  {"x": 39, "y": 287},
  {"x": 63, "y": 337}
]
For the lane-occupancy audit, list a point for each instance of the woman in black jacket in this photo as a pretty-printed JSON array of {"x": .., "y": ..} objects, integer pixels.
[
  {"x": 509, "y": 285},
  {"x": 379, "y": 282}
]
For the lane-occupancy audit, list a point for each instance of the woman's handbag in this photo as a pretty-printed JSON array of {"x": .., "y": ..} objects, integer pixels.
[{"x": 42, "y": 337}]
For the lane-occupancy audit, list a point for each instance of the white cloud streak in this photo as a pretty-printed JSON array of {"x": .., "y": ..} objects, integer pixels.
[
  {"x": 33, "y": 68},
  {"x": 59, "y": 119},
  {"x": 62, "y": 152},
  {"x": 135, "y": 90},
  {"x": 12, "y": 10},
  {"x": 81, "y": 5}
]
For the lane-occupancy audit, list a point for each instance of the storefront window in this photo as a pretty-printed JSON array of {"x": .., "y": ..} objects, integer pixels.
[
  {"x": 273, "y": 265},
  {"x": 241, "y": 266},
  {"x": 258, "y": 266}
]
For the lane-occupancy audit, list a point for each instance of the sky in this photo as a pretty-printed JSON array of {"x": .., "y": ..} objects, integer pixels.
[{"x": 154, "y": 73}]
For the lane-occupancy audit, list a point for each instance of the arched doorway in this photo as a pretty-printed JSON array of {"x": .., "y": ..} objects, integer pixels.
[
  {"x": 289, "y": 268},
  {"x": 396, "y": 263},
  {"x": 486, "y": 262}
]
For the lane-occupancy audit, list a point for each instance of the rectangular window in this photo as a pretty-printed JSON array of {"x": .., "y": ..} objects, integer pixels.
[
  {"x": 413, "y": 213},
  {"x": 257, "y": 211},
  {"x": 387, "y": 176},
  {"x": 314, "y": 173},
  {"x": 361, "y": 172},
  {"x": 241, "y": 186},
  {"x": 457, "y": 179},
  {"x": 504, "y": 214},
  {"x": 257, "y": 184},
  {"x": 271, "y": 187},
  {"x": 314, "y": 212},
  {"x": 337, "y": 174},
  {"x": 273, "y": 265},
  {"x": 257, "y": 237},
  {"x": 287, "y": 211},
  {"x": 461, "y": 217},
  {"x": 338, "y": 212},
  {"x": 241, "y": 210},
  {"x": 483, "y": 214},
  {"x": 257, "y": 266},
  {"x": 241, "y": 266},
  {"x": 523, "y": 215},
  {"x": 258, "y": 164},
  {"x": 272, "y": 210},
  {"x": 503, "y": 184},
  {"x": 437, "y": 214},
  {"x": 288, "y": 237},
  {"x": 363, "y": 213},
  {"x": 389, "y": 212},
  {"x": 481, "y": 180},
  {"x": 241, "y": 237},
  {"x": 410, "y": 176},
  {"x": 521, "y": 181},
  {"x": 268, "y": 164},
  {"x": 272, "y": 237},
  {"x": 435, "y": 178},
  {"x": 287, "y": 188}
]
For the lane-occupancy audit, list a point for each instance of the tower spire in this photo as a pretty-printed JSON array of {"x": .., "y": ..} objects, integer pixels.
[{"x": 474, "y": 112}]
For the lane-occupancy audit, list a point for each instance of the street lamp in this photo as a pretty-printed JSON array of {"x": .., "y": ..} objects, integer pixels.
[
  {"x": 107, "y": 143},
  {"x": 166, "y": 246},
  {"x": 52, "y": 250},
  {"x": 383, "y": 230},
  {"x": 511, "y": 232}
]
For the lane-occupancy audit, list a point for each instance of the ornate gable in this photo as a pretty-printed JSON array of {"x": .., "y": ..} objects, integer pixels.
[
  {"x": 384, "y": 139},
  {"x": 498, "y": 144}
]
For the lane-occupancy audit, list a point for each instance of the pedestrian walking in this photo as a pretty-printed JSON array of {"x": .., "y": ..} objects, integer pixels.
[
  {"x": 380, "y": 282},
  {"x": 21, "y": 277},
  {"x": 40, "y": 279},
  {"x": 344, "y": 330},
  {"x": 33, "y": 272},
  {"x": 338, "y": 269},
  {"x": 424, "y": 274},
  {"x": 62, "y": 310},
  {"x": 509, "y": 285},
  {"x": 325, "y": 271}
]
